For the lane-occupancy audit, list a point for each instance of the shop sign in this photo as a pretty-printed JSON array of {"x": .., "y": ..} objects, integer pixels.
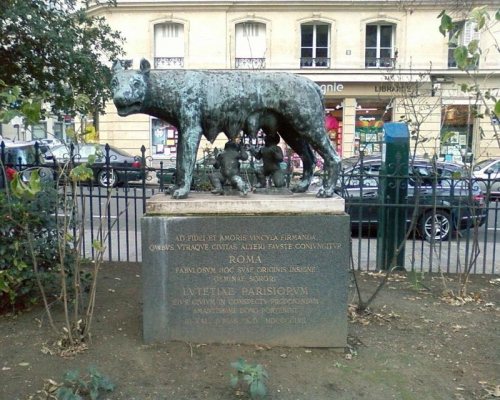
[
  {"x": 391, "y": 89},
  {"x": 331, "y": 87}
]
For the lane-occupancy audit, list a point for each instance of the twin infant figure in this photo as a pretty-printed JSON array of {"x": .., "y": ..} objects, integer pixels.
[{"x": 227, "y": 165}]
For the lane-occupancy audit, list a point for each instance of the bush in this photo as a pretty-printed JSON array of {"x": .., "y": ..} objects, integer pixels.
[{"x": 18, "y": 285}]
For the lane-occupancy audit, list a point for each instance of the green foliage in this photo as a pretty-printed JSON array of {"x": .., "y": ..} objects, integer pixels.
[
  {"x": 58, "y": 52},
  {"x": 467, "y": 57},
  {"x": 17, "y": 278},
  {"x": 20, "y": 189},
  {"x": 90, "y": 385},
  {"x": 252, "y": 375}
]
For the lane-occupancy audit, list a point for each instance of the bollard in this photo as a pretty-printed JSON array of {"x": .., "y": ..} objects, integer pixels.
[{"x": 393, "y": 192}]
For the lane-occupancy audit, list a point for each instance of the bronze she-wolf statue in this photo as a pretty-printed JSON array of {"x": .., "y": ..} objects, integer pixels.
[{"x": 205, "y": 102}]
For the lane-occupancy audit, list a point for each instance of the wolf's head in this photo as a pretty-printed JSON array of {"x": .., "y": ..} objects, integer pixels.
[{"x": 129, "y": 88}]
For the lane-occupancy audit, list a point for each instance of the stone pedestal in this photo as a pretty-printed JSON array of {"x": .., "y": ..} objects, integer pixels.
[{"x": 253, "y": 270}]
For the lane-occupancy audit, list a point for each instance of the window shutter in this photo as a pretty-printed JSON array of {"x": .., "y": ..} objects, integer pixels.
[{"x": 470, "y": 33}]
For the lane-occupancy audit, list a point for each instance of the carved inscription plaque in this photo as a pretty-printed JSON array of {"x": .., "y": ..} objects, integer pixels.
[{"x": 276, "y": 280}]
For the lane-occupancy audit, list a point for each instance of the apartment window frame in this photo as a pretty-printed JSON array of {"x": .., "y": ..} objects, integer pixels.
[
  {"x": 379, "y": 59},
  {"x": 169, "y": 55},
  {"x": 466, "y": 32},
  {"x": 309, "y": 57},
  {"x": 250, "y": 44}
]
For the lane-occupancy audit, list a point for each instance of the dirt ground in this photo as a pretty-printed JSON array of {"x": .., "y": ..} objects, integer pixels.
[{"x": 412, "y": 345}]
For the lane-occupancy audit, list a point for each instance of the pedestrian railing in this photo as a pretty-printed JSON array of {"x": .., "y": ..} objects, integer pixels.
[{"x": 451, "y": 226}]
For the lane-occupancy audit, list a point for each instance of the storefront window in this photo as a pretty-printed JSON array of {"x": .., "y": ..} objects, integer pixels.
[
  {"x": 333, "y": 122},
  {"x": 164, "y": 138},
  {"x": 369, "y": 131},
  {"x": 456, "y": 133}
]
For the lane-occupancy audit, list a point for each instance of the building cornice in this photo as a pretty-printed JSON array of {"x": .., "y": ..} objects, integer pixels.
[{"x": 310, "y": 5}]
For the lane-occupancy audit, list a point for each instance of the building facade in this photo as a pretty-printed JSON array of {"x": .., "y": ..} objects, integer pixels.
[{"x": 375, "y": 61}]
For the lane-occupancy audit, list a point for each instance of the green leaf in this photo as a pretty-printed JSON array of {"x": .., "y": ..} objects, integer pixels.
[
  {"x": 497, "y": 109},
  {"x": 3, "y": 285},
  {"x": 94, "y": 394},
  {"x": 258, "y": 389},
  {"x": 32, "y": 111},
  {"x": 473, "y": 46},
  {"x": 35, "y": 183},
  {"x": 106, "y": 384},
  {"x": 97, "y": 245},
  {"x": 10, "y": 115},
  {"x": 464, "y": 87},
  {"x": 17, "y": 186},
  {"x": 91, "y": 159},
  {"x": 71, "y": 376},
  {"x": 239, "y": 364},
  {"x": 66, "y": 393},
  {"x": 82, "y": 101},
  {"x": 497, "y": 15},
  {"x": 234, "y": 380},
  {"x": 461, "y": 55},
  {"x": 446, "y": 23}
]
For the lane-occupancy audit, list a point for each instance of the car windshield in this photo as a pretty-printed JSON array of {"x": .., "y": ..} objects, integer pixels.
[
  {"x": 118, "y": 151},
  {"x": 20, "y": 155},
  {"x": 480, "y": 165}
]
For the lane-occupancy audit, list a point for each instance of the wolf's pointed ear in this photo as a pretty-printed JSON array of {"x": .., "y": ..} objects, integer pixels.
[
  {"x": 117, "y": 66},
  {"x": 145, "y": 66}
]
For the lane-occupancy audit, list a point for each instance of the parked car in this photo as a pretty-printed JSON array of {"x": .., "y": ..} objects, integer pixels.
[
  {"x": 123, "y": 167},
  {"x": 487, "y": 174},
  {"x": 446, "y": 203},
  {"x": 21, "y": 157}
]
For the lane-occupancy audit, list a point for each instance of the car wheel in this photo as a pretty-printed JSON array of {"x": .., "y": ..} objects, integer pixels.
[
  {"x": 436, "y": 226},
  {"x": 107, "y": 178}
]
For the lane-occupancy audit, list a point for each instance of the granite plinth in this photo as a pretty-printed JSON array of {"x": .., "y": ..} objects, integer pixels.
[{"x": 254, "y": 277}]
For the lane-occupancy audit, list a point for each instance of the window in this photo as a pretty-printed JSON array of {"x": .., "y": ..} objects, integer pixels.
[
  {"x": 164, "y": 138},
  {"x": 39, "y": 131},
  {"x": 315, "y": 46},
  {"x": 379, "y": 46},
  {"x": 250, "y": 45},
  {"x": 462, "y": 34},
  {"x": 169, "y": 46},
  {"x": 58, "y": 130}
]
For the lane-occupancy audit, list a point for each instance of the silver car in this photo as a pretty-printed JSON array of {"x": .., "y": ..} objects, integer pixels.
[{"x": 487, "y": 174}]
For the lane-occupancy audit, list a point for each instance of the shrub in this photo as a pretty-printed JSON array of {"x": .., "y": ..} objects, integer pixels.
[{"x": 18, "y": 284}]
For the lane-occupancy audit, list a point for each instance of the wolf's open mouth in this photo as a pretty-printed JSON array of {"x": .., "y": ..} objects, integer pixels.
[{"x": 129, "y": 109}]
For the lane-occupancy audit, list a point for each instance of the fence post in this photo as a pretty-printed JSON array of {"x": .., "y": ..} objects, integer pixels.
[{"x": 393, "y": 192}]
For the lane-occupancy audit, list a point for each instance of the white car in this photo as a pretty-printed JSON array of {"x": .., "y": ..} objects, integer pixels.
[{"x": 487, "y": 174}]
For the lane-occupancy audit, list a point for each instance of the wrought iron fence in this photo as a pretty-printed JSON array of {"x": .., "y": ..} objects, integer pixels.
[{"x": 452, "y": 225}]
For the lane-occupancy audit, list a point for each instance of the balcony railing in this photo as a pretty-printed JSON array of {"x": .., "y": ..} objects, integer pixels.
[
  {"x": 250, "y": 63},
  {"x": 380, "y": 62},
  {"x": 169, "y": 62},
  {"x": 318, "y": 62}
]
